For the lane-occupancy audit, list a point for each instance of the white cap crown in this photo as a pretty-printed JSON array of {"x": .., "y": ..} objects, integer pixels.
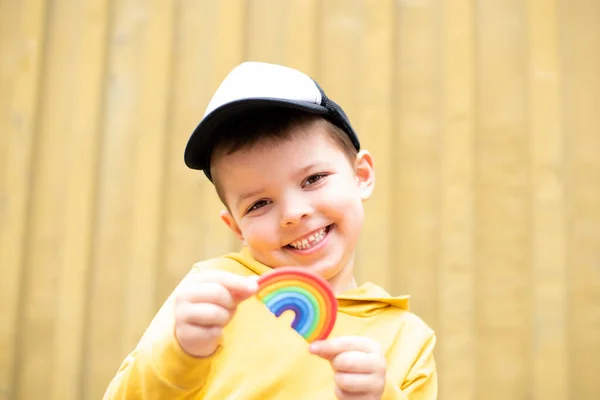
[{"x": 251, "y": 80}]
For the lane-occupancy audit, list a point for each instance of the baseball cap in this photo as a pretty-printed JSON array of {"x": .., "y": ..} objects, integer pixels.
[{"x": 258, "y": 86}]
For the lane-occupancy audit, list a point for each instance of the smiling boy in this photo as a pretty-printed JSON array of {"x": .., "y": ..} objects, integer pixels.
[{"x": 288, "y": 167}]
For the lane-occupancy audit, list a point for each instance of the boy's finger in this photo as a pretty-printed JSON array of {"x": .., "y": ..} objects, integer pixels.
[
  {"x": 330, "y": 348},
  {"x": 209, "y": 292},
  {"x": 205, "y": 314},
  {"x": 358, "y": 362},
  {"x": 241, "y": 287},
  {"x": 357, "y": 383}
]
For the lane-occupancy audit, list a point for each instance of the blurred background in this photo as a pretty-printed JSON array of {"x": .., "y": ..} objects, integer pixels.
[{"x": 483, "y": 118}]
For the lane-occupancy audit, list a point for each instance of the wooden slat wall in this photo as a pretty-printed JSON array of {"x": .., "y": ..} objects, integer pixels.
[
  {"x": 483, "y": 118},
  {"x": 547, "y": 201}
]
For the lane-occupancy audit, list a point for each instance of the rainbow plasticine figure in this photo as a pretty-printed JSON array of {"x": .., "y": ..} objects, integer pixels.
[{"x": 309, "y": 296}]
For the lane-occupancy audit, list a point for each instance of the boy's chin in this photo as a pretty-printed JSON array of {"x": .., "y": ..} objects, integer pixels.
[{"x": 328, "y": 268}]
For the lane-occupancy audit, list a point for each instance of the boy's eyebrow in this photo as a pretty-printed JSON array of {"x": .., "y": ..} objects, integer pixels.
[
  {"x": 312, "y": 166},
  {"x": 245, "y": 196}
]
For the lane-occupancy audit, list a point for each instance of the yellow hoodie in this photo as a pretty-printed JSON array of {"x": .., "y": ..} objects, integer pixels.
[{"x": 261, "y": 357}]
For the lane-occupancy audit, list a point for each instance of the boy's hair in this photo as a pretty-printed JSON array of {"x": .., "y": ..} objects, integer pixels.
[{"x": 261, "y": 127}]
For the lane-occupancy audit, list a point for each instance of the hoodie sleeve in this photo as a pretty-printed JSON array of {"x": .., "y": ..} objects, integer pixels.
[
  {"x": 159, "y": 367},
  {"x": 165, "y": 372},
  {"x": 421, "y": 381}
]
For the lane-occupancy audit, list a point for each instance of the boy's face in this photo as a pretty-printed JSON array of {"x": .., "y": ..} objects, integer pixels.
[{"x": 298, "y": 202}]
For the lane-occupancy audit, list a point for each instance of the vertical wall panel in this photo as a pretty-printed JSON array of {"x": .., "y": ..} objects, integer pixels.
[
  {"x": 417, "y": 149},
  {"x": 56, "y": 262},
  {"x": 83, "y": 66},
  {"x": 580, "y": 45},
  {"x": 301, "y": 35},
  {"x": 282, "y": 33},
  {"x": 267, "y": 20},
  {"x": 548, "y": 219},
  {"x": 126, "y": 248},
  {"x": 457, "y": 272},
  {"x": 149, "y": 154},
  {"x": 22, "y": 26},
  {"x": 502, "y": 204}
]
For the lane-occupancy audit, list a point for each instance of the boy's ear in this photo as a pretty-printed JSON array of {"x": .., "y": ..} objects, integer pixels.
[
  {"x": 365, "y": 174},
  {"x": 230, "y": 222}
]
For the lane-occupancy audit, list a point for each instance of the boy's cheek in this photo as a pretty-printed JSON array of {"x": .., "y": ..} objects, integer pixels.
[
  {"x": 261, "y": 235},
  {"x": 342, "y": 193},
  {"x": 339, "y": 204}
]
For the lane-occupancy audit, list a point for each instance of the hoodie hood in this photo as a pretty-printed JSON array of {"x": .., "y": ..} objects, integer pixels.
[
  {"x": 363, "y": 301},
  {"x": 369, "y": 299}
]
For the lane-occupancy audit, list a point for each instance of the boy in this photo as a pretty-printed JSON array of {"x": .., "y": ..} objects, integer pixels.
[{"x": 288, "y": 167}]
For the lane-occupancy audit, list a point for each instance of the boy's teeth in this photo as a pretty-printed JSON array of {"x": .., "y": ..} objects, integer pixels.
[{"x": 312, "y": 240}]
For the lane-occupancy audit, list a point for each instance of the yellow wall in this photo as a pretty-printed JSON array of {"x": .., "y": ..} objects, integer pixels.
[{"x": 484, "y": 119}]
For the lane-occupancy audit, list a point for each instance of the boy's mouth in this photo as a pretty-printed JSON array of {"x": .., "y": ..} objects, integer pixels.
[{"x": 310, "y": 240}]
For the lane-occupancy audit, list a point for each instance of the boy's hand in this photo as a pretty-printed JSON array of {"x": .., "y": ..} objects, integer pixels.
[
  {"x": 358, "y": 364},
  {"x": 205, "y": 305}
]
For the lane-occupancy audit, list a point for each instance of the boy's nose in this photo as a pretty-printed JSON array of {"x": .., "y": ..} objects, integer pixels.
[{"x": 293, "y": 214}]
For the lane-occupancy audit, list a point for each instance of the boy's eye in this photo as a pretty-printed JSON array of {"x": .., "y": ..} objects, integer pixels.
[
  {"x": 257, "y": 205},
  {"x": 314, "y": 179}
]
